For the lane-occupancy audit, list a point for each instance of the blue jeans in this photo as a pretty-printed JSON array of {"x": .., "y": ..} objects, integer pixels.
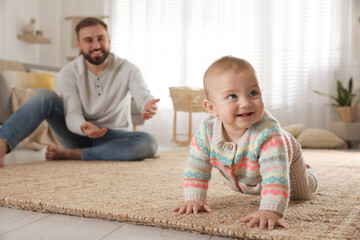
[{"x": 47, "y": 105}]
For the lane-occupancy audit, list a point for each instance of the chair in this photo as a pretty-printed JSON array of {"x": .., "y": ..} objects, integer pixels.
[{"x": 189, "y": 100}]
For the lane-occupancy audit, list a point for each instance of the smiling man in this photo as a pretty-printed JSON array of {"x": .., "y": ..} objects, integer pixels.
[{"x": 92, "y": 118}]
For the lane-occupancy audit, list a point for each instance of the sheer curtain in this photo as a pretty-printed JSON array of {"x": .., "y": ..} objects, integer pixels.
[{"x": 295, "y": 46}]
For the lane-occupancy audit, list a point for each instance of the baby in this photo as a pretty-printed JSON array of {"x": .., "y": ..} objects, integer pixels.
[{"x": 247, "y": 145}]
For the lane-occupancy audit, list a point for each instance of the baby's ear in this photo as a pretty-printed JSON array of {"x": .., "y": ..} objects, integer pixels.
[{"x": 210, "y": 108}]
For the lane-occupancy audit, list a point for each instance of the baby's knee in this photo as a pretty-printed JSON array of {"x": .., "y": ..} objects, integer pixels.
[{"x": 305, "y": 192}]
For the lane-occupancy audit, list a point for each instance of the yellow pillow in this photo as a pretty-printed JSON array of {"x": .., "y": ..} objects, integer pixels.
[
  {"x": 294, "y": 129},
  {"x": 319, "y": 138},
  {"x": 40, "y": 80},
  {"x": 34, "y": 80}
]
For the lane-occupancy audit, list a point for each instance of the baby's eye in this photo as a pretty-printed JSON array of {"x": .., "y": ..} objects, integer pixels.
[
  {"x": 232, "y": 96},
  {"x": 253, "y": 93}
]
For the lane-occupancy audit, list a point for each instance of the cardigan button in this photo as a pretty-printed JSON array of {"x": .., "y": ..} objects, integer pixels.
[
  {"x": 227, "y": 168},
  {"x": 229, "y": 147}
]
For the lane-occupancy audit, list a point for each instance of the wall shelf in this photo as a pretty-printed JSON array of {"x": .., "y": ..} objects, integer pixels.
[{"x": 34, "y": 39}]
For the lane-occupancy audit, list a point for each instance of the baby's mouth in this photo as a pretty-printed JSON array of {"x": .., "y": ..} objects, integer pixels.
[{"x": 248, "y": 114}]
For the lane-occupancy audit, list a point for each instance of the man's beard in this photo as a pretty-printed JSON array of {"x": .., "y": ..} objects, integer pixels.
[{"x": 96, "y": 60}]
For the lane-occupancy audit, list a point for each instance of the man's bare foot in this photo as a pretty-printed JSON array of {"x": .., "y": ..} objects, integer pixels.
[
  {"x": 61, "y": 153},
  {"x": 3, "y": 150}
]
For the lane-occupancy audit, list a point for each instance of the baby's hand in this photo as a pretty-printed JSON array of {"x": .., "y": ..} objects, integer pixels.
[
  {"x": 192, "y": 206},
  {"x": 265, "y": 217}
]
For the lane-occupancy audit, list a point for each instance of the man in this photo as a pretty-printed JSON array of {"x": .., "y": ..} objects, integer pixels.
[{"x": 92, "y": 118}]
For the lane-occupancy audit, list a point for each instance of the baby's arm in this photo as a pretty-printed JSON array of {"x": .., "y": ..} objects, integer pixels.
[
  {"x": 197, "y": 173},
  {"x": 274, "y": 169}
]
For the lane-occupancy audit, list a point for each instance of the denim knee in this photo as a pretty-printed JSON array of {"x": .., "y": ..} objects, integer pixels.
[
  {"x": 151, "y": 143},
  {"x": 46, "y": 94},
  {"x": 47, "y": 97},
  {"x": 29, "y": 116}
]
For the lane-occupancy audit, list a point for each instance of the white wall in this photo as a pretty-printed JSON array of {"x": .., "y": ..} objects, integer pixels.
[
  {"x": 15, "y": 13},
  {"x": 352, "y": 65},
  {"x": 50, "y": 16},
  {"x": 2, "y": 25},
  {"x": 50, "y": 21},
  {"x": 353, "y": 62}
]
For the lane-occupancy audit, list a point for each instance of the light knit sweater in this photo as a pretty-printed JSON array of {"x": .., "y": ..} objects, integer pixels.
[
  {"x": 103, "y": 100},
  {"x": 257, "y": 164}
]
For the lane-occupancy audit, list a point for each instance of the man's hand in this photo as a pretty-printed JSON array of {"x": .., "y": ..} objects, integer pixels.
[
  {"x": 150, "y": 109},
  {"x": 192, "y": 206},
  {"x": 92, "y": 131},
  {"x": 265, "y": 218}
]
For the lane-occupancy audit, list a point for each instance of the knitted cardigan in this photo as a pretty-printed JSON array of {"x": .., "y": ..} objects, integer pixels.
[{"x": 257, "y": 164}]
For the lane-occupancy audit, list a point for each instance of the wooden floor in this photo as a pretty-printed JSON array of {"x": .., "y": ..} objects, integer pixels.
[{"x": 18, "y": 224}]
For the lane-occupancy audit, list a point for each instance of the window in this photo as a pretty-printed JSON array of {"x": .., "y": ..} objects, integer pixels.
[{"x": 295, "y": 47}]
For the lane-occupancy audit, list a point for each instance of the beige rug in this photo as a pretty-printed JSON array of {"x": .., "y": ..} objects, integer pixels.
[{"x": 145, "y": 192}]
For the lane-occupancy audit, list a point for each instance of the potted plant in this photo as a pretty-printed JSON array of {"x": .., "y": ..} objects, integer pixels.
[{"x": 344, "y": 99}]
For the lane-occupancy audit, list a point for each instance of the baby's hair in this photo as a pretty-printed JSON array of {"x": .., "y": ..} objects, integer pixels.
[{"x": 225, "y": 64}]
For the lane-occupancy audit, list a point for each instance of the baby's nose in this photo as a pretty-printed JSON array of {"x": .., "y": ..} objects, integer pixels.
[{"x": 244, "y": 103}]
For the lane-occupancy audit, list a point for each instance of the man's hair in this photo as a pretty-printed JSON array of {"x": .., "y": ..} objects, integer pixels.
[
  {"x": 225, "y": 64},
  {"x": 88, "y": 22}
]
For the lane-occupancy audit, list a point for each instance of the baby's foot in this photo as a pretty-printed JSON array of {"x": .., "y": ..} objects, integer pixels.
[{"x": 312, "y": 178}]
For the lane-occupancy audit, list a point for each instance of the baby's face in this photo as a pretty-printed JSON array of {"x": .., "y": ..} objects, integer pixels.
[{"x": 237, "y": 100}]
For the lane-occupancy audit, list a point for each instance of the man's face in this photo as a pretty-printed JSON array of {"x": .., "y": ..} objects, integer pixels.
[{"x": 94, "y": 43}]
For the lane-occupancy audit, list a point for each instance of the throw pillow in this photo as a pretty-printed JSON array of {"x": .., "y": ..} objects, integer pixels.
[
  {"x": 319, "y": 138},
  {"x": 294, "y": 129},
  {"x": 34, "y": 80},
  {"x": 16, "y": 79}
]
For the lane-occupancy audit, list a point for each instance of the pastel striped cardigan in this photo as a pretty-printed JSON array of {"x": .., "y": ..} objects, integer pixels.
[{"x": 257, "y": 164}]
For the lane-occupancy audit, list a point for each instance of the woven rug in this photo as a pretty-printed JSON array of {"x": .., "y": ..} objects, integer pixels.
[{"x": 145, "y": 193}]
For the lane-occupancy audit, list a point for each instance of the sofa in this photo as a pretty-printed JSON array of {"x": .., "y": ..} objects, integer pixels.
[{"x": 14, "y": 74}]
